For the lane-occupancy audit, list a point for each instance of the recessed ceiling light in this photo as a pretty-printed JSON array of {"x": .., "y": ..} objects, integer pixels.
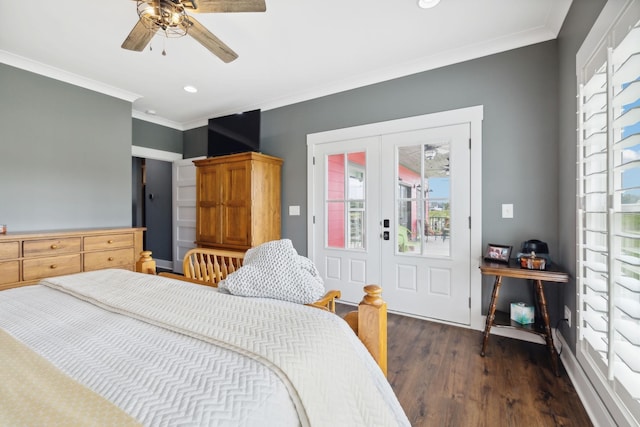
[
  {"x": 190, "y": 89},
  {"x": 428, "y": 4},
  {"x": 151, "y": 112}
]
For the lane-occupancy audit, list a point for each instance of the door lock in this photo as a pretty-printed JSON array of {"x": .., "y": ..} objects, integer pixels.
[{"x": 385, "y": 235}]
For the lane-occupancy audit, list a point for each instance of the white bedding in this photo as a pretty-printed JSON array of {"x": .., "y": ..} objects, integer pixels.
[{"x": 271, "y": 365}]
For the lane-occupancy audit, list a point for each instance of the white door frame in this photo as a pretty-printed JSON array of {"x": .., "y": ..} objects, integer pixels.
[
  {"x": 179, "y": 203},
  {"x": 473, "y": 116},
  {"x": 152, "y": 153},
  {"x": 165, "y": 156}
]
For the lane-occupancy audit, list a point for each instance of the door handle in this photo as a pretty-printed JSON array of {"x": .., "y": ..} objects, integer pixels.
[{"x": 385, "y": 235}]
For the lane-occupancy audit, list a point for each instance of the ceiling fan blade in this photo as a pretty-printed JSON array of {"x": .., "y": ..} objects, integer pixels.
[
  {"x": 139, "y": 37},
  {"x": 203, "y": 36},
  {"x": 219, "y": 6}
]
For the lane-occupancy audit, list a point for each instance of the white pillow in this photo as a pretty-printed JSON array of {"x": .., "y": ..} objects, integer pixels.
[{"x": 275, "y": 270}]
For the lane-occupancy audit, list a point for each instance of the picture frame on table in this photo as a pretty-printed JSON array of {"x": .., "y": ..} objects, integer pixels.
[{"x": 498, "y": 253}]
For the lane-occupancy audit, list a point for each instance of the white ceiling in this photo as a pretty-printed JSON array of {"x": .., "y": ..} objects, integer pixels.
[{"x": 296, "y": 50}]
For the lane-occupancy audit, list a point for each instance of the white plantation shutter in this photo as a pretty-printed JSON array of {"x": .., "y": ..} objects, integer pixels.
[{"x": 608, "y": 272}]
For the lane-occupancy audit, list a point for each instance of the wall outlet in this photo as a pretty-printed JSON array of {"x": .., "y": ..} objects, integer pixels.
[{"x": 567, "y": 315}]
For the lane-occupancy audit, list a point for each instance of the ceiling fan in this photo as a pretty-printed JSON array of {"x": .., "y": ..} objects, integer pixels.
[{"x": 170, "y": 17}]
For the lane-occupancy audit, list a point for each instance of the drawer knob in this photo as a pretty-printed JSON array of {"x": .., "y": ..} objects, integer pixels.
[
  {"x": 110, "y": 258},
  {"x": 110, "y": 241},
  {"x": 54, "y": 246},
  {"x": 53, "y": 266}
]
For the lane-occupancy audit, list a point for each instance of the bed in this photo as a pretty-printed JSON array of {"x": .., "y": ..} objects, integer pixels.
[{"x": 115, "y": 347}]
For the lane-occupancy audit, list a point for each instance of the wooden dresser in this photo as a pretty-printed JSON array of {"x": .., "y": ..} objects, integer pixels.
[
  {"x": 237, "y": 200},
  {"x": 25, "y": 258}
]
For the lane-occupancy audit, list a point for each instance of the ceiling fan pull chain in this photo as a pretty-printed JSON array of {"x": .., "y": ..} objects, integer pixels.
[{"x": 164, "y": 45}]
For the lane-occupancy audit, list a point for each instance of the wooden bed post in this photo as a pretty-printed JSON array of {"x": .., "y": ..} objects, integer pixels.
[
  {"x": 372, "y": 324},
  {"x": 146, "y": 264}
]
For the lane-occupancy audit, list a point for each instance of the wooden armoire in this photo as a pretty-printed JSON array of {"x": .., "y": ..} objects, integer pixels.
[{"x": 238, "y": 200}]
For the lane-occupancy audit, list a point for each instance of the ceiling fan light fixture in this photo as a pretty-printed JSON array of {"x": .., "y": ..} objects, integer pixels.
[
  {"x": 145, "y": 10},
  {"x": 428, "y": 4},
  {"x": 168, "y": 16}
]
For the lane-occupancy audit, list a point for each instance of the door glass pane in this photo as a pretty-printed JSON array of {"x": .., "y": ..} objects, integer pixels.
[
  {"x": 422, "y": 200},
  {"x": 335, "y": 229},
  {"x": 356, "y": 224},
  {"x": 345, "y": 200}
]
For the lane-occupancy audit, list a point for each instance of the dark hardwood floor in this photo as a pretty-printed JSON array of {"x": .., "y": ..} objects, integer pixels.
[{"x": 441, "y": 380}]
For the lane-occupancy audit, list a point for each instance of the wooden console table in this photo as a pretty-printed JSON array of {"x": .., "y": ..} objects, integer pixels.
[{"x": 542, "y": 326}]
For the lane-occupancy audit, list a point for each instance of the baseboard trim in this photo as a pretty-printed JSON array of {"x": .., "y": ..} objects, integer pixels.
[{"x": 590, "y": 399}]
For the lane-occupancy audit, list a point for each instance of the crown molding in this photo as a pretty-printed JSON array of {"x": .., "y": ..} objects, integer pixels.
[
  {"x": 65, "y": 76},
  {"x": 394, "y": 71},
  {"x": 136, "y": 114}
]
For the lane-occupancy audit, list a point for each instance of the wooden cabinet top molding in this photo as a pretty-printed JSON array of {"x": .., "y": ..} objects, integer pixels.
[{"x": 240, "y": 157}]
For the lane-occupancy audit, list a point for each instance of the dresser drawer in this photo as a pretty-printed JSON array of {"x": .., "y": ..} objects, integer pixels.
[
  {"x": 9, "y": 272},
  {"x": 50, "y": 247},
  {"x": 111, "y": 241},
  {"x": 38, "y": 268},
  {"x": 108, "y": 259},
  {"x": 9, "y": 250}
]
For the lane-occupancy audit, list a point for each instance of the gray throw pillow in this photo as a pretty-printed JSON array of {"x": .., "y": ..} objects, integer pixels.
[{"x": 275, "y": 270}]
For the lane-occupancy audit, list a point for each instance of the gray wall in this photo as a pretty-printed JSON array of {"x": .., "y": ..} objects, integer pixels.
[
  {"x": 195, "y": 142},
  {"x": 519, "y": 92},
  {"x": 581, "y": 17},
  {"x": 65, "y": 155},
  {"x": 151, "y": 135}
]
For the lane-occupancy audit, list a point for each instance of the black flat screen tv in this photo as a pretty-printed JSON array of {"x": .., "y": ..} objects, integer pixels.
[{"x": 235, "y": 133}]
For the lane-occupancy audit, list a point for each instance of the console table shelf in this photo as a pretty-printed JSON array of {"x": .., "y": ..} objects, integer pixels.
[{"x": 497, "y": 318}]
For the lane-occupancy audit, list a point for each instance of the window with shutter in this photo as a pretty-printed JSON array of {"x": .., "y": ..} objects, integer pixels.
[{"x": 608, "y": 221}]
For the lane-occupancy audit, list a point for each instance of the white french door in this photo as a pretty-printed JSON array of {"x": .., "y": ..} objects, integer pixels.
[
  {"x": 347, "y": 244},
  {"x": 425, "y": 189},
  {"x": 394, "y": 209}
]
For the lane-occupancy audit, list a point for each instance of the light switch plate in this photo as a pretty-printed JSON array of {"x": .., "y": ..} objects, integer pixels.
[
  {"x": 507, "y": 210},
  {"x": 294, "y": 210}
]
